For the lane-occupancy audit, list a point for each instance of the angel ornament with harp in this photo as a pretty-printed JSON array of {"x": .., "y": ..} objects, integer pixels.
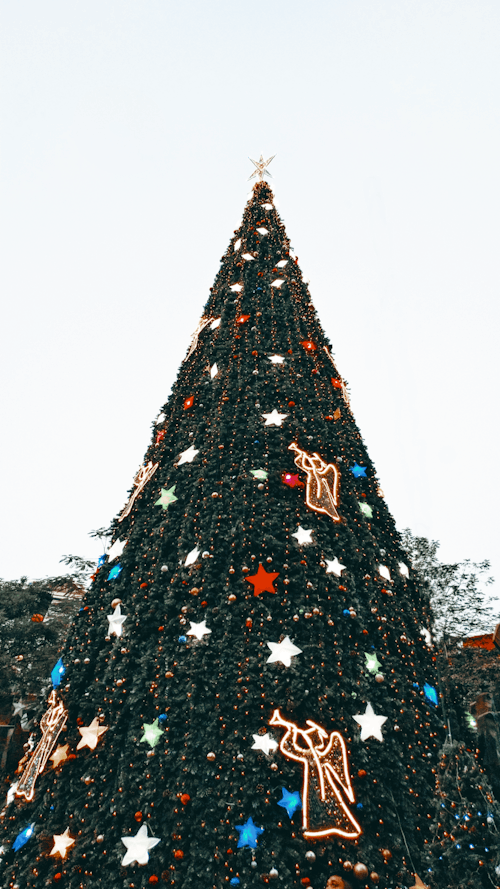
[{"x": 326, "y": 789}]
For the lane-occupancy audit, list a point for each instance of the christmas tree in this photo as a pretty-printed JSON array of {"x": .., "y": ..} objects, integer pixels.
[
  {"x": 246, "y": 694},
  {"x": 465, "y": 847}
]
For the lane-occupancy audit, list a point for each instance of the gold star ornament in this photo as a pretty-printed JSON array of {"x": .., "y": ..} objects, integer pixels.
[
  {"x": 59, "y": 755},
  {"x": 91, "y": 734},
  {"x": 260, "y": 167},
  {"x": 62, "y": 842}
]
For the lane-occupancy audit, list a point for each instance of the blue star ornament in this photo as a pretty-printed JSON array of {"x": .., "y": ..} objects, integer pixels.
[
  {"x": 431, "y": 694},
  {"x": 114, "y": 572},
  {"x": 290, "y": 801},
  {"x": 23, "y": 837},
  {"x": 248, "y": 834},
  {"x": 57, "y": 673},
  {"x": 358, "y": 471}
]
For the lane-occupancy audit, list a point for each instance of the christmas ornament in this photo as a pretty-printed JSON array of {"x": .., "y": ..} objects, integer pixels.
[
  {"x": 360, "y": 871},
  {"x": 384, "y": 572},
  {"x": 248, "y": 257},
  {"x": 199, "y": 630},
  {"x": 116, "y": 549},
  {"x": 326, "y": 788},
  {"x": 116, "y": 621},
  {"x": 263, "y": 581},
  {"x": 282, "y": 263},
  {"x": 62, "y": 842},
  {"x": 333, "y": 566},
  {"x": 249, "y": 832},
  {"x": 302, "y": 536},
  {"x": 427, "y": 635},
  {"x": 259, "y": 473},
  {"x": 262, "y": 231},
  {"x": 57, "y": 673},
  {"x": 214, "y": 370},
  {"x": 236, "y": 287},
  {"x": 188, "y": 402},
  {"x": 336, "y": 414},
  {"x": 166, "y": 497},
  {"x": 143, "y": 476},
  {"x": 358, "y": 471},
  {"x": 365, "y": 509},
  {"x": 321, "y": 484},
  {"x": 265, "y": 743},
  {"x": 290, "y": 480},
  {"x": 152, "y": 733},
  {"x": 308, "y": 345},
  {"x": 274, "y": 418},
  {"x": 138, "y": 847},
  {"x": 277, "y": 282},
  {"x": 51, "y": 725},
  {"x": 23, "y": 837},
  {"x": 431, "y": 694},
  {"x": 187, "y": 456},
  {"x": 290, "y": 801},
  {"x": 418, "y": 883},
  {"x": 276, "y": 359},
  {"x": 372, "y": 662},
  {"x": 59, "y": 755},
  {"x": 242, "y": 319},
  {"x": 192, "y": 556},
  {"x": 91, "y": 734},
  {"x": 215, "y": 324},
  {"x": 194, "y": 341},
  {"x": 115, "y": 572},
  {"x": 403, "y": 569},
  {"x": 371, "y": 725},
  {"x": 260, "y": 168},
  {"x": 282, "y": 652}
]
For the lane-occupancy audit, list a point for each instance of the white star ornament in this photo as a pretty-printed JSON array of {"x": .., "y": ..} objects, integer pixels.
[
  {"x": 192, "y": 556},
  {"x": 334, "y": 567},
  {"x": 187, "y": 456},
  {"x": 384, "y": 572},
  {"x": 276, "y": 359},
  {"x": 62, "y": 842},
  {"x": 371, "y": 724},
  {"x": 116, "y": 621},
  {"x": 199, "y": 630},
  {"x": 91, "y": 734},
  {"x": 116, "y": 549},
  {"x": 303, "y": 536},
  {"x": 274, "y": 418},
  {"x": 138, "y": 847},
  {"x": 282, "y": 651},
  {"x": 264, "y": 743}
]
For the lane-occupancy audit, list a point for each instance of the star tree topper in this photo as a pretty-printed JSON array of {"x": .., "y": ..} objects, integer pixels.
[{"x": 260, "y": 167}]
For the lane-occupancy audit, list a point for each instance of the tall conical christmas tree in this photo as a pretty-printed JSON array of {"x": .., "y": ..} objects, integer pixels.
[{"x": 246, "y": 694}]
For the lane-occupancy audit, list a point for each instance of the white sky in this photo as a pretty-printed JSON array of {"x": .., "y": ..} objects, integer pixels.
[{"x": 126, "y": 130}]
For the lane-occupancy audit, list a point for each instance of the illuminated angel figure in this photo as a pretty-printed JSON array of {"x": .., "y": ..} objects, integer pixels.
[
  {"x": 322, "y": 482},
  {"x": 326, "y": 778}
]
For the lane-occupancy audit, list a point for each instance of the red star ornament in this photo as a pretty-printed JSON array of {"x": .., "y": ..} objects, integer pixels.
[
  {"x": 289, "y": 479},
  {"x": 189, "y": 402},
  {"x": 263, "y": 581},
  {"x": 308, "y": 345},
  {"x": 241, "y": 319}
]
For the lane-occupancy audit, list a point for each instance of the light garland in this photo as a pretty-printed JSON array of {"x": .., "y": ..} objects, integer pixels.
[
  {"x": 326, "y": 777},
  {"x": 322, "y": 482}
]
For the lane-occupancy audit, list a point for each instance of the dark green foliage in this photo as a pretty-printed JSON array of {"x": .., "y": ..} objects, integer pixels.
[
  {"x": 465, "y": 846},
  {"x": 203, "y": 778}
]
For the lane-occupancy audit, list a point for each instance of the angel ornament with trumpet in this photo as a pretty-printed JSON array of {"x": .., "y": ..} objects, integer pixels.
[{"x": 326, "y": 788}]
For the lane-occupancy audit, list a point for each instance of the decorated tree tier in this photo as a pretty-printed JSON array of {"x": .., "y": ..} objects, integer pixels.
[{"x": 246, "y": 694}]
